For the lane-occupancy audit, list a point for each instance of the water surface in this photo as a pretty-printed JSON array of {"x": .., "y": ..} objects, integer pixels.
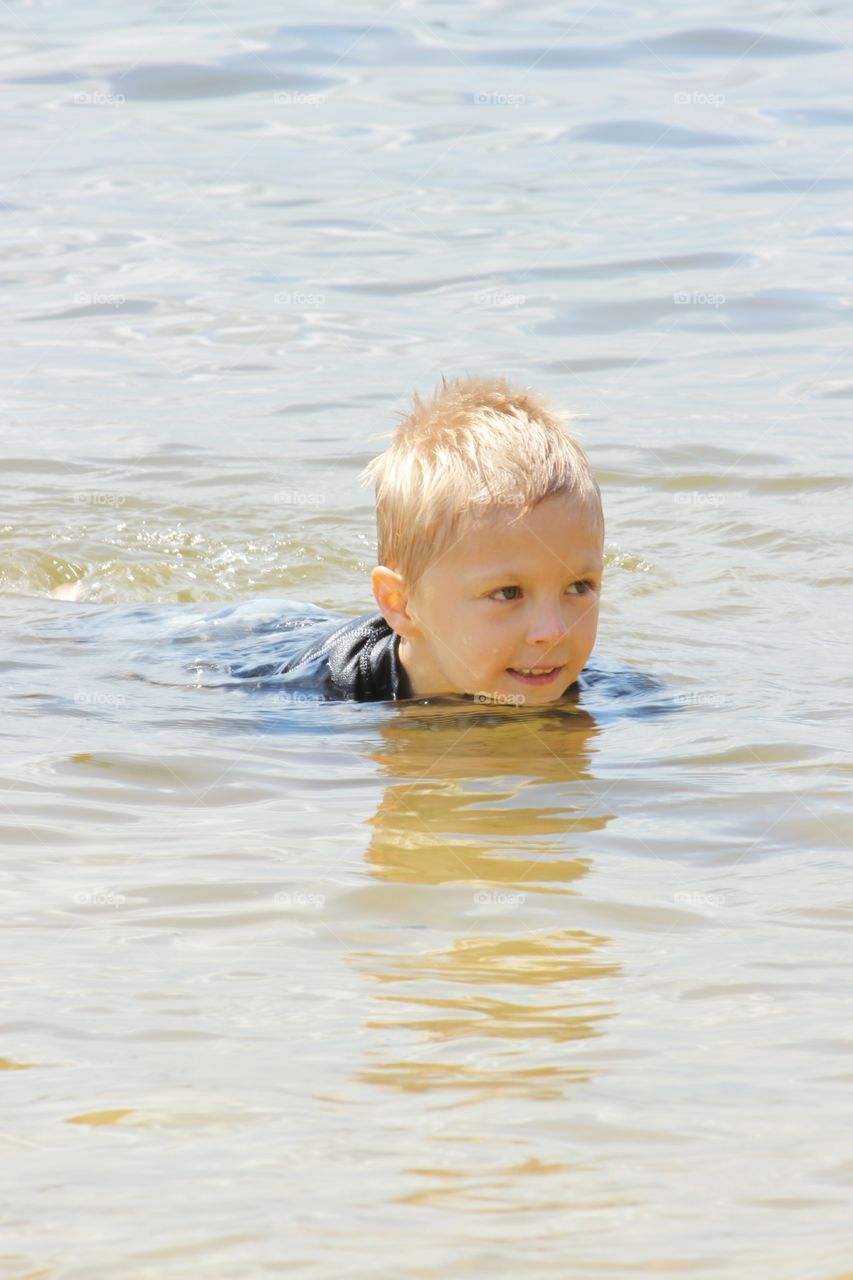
[{"x": 377, "y": 991}]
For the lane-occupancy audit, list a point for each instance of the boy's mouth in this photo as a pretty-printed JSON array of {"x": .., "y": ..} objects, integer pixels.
[{"x": 534, "y": 675}]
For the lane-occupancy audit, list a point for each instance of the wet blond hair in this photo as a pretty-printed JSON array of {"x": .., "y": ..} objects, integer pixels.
[{"x": 478, "y": 446}]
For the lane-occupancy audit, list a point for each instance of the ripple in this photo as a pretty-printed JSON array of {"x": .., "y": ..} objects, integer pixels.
[
  {"x": 732, "y": 42},
  {"x": 219, "y": 1114},
  {"x": 816, "y": 117},
  {"x": 337, "y": 39},
  {"x": 692, "y": 44},
  {"x": 655, "y": 133},
  {"x": 626, "y": 268},
  {"x": 172, "y": 81},
  {"x": 393, "y": 288},
  {"x": 48, "y": 77},
  {"x": 838, "y": 393},
  {"x": 793, "y": 186},
  {"x": 124, "y": 306},
  {"x": 771, "y": 311},
  {"x": 659, "y": 264},
  {"x": 597, "y": 364}
]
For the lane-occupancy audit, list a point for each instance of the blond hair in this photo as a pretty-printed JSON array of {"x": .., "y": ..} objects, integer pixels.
[{"x": 479, "y": 445}]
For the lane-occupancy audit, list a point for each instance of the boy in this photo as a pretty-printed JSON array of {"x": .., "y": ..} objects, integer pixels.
[{"x": 491, "y": 535}]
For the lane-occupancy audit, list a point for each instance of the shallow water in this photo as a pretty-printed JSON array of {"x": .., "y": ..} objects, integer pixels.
[{"x": 377, "y": 991}]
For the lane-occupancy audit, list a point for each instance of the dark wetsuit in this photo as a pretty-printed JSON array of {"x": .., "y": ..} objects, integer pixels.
[{"x": 356, "y": 658}]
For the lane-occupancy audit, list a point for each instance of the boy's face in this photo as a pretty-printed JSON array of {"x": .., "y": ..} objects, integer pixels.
[{"x": 509, "y": 595}]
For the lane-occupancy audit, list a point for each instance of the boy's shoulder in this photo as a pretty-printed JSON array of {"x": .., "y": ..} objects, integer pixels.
[{"x": 351, "y": 658}]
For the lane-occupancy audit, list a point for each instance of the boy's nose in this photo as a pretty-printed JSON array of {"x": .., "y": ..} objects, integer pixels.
[{"x": 547, "y": 626}]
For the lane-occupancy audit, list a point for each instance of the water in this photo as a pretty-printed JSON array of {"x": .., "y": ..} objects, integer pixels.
[{"x": 374, "y": 991}]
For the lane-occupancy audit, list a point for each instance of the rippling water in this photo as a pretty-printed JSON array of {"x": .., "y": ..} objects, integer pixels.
[{"x": 379, "y": 991}]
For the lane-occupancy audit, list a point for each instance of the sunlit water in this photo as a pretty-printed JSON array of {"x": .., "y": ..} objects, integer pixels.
[{"x": 391, "y": 991}]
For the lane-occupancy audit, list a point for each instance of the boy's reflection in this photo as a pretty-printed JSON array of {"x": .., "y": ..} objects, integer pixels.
[{"x": 490, "y": 803}]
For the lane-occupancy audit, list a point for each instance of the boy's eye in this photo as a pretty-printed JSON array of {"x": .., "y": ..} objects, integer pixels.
[{"x": 581, "y": 587}]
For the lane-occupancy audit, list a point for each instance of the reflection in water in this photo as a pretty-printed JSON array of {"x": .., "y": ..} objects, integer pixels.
[
  {"x": 519, "y": 1021},
  {"x": 484, "y": 1187},
  {"x": 492, "y": 804},
  {"x": 476, "y": 795}
]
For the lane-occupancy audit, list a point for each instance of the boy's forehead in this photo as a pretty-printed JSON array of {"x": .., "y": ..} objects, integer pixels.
[
  {"x": 559, "y": 511},
  {"x": 562, "y": 527}
]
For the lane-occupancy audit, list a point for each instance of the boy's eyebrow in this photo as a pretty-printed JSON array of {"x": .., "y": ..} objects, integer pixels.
[{"x": 509, "y": 571}]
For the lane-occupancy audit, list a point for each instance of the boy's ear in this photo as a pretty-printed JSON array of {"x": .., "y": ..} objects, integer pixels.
[{"x": 390, "y": 592}]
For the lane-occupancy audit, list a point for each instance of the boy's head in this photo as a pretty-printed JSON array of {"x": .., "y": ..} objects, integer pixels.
[{"x": 491, "y": 532}]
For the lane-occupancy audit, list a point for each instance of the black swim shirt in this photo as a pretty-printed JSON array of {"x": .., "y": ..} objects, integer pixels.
[{"x": 356, "y": 659}]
